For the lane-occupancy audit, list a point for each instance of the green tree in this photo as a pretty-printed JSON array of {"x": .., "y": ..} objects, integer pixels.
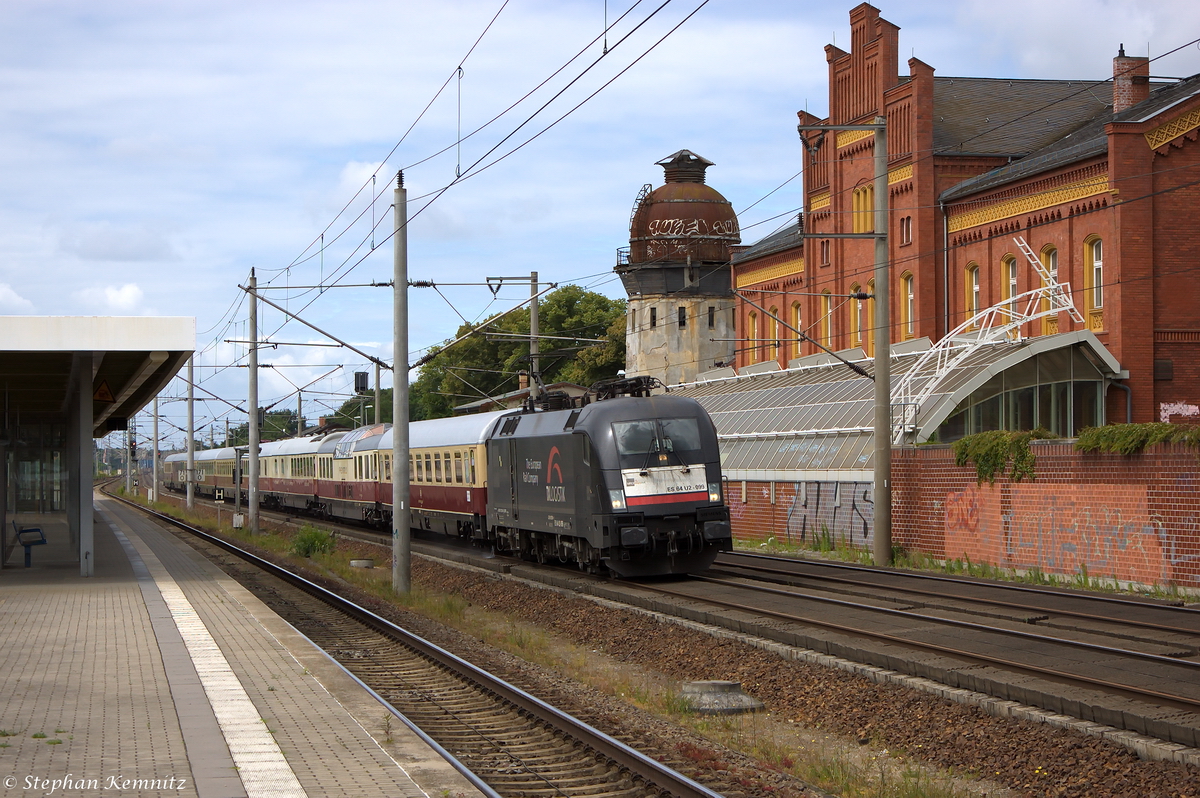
[
  {"x": 488, "y": 362},
  {"x": 363, "y": 408},
  {"x": 276, "y": 425}
]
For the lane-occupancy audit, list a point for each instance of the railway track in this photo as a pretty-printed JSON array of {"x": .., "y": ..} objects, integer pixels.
[{"x": 510, "y": 742}]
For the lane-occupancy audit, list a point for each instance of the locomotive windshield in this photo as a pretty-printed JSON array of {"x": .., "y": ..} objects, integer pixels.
[{"x": 663, "y": 435}]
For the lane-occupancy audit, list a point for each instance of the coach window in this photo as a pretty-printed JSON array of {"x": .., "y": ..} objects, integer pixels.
[
  {"x": 458, "y": 469},
  {"x": 473, "y": 467},
  {"x": 428, "y": 468},
  {"x": 419, "y": 471},
  {"x": 437, "y": 467}
]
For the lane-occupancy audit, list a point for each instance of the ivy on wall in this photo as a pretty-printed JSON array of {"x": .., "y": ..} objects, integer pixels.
[
  {"x": 990, "y": 452},
  {"x": 1134, "y": 438}
]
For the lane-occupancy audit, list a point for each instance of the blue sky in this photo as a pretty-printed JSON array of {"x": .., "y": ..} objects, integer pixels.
[{"x": 153, "y": 152}]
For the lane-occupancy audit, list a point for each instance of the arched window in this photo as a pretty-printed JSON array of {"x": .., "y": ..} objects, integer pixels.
[
  {"x": 1008, "y": 287},
  {"x": 973, "y": 304},
  {"x": 796, "y": 319},
  {"x": 908, "y": 306},
  {"x": 752, "y": 348},
  {"x": 1093, "y": 258},
  {"x": 864, "y": 208},
  {"x": 1050, "y": 263},
  {"x": 869, "y": 324},
  {"x": 773, "y": 347},
  {"x": 826, "y": 325},
  {"x": 856, "y": 325}
]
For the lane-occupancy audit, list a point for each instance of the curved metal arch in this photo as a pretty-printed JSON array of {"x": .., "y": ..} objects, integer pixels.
[{"x": 991, "y": 325}]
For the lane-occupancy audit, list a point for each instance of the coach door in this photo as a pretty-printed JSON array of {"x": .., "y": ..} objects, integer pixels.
[{"x": 512, "y": 478}]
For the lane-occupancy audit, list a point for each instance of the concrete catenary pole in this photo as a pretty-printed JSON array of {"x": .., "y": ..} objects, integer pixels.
[
  {"x": 401, "y": 525},
  {"x": 252, "y": 401},
  {"x": 129, "y": 458},
  {"x": 299, "y": 413},
  {"x": 191, "y": 441},
  {"x": 154, "y": 457},
  {"x": 535, "y": 362},
  {"x": 883, "y": 357}
]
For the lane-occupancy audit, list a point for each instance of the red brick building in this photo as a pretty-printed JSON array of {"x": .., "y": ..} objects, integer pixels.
[{"x": 1101, "y": 178}]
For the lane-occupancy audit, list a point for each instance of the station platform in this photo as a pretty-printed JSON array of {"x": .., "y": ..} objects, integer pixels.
[{"x": 162, "y": 676}]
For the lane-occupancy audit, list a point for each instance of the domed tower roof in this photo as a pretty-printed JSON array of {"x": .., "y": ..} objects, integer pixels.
[
  {"x": 684, "y": 220},
  {"x": 676, "y": 231}
]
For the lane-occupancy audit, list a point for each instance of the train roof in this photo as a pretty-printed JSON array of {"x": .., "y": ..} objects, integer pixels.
[
  {"x": 330, "y": 442},
  {"x": 467, "y": 430},
  {"x": 359, "y": 440},
  {"x": 204, "y": 455},
  {"x": 598, "y": 415}
]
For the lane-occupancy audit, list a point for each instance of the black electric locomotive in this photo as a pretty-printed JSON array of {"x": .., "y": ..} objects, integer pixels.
[{"x": 631, "y": 483}]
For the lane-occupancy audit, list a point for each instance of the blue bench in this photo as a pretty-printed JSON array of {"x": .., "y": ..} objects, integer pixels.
[{"x": 29, "y": 537}]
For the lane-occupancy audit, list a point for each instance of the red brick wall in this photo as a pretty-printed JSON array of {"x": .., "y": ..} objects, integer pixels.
[
  {"x": 1132, "y": 518},
  {"x": 802, "y": 512}
]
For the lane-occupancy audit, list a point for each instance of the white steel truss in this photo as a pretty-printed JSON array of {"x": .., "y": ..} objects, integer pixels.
[{"x": 996, "y": 324}]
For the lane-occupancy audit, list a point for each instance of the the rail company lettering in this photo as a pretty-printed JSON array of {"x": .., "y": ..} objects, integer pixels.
[
  {"x": 530, "y": 476},
  {"x": 556, "y": 493}
]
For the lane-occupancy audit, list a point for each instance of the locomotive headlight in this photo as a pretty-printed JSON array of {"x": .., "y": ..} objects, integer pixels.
[
  {"x": 618, "y": 499},
  {"x": 714, "y": 492}
]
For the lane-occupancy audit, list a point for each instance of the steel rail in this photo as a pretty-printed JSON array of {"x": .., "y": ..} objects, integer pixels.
[
  {"x": 977, "y": 600},
  {"x": 654, "y": 774},
  {"x": 1132, "y": 690},
  {"x": 965, "y": 581},
  {"x": 977, "y": 627}
]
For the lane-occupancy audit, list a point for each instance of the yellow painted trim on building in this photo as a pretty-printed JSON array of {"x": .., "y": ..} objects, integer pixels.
[
  {"x": 900, "y": 173},
  {"x": 819, "y": 201},
  {"x": 1170, "y": 130},
  {"x": 776, "y": 272},
  {"x": 1034, "y": 202},
  {"x": 847, "y": 137}
]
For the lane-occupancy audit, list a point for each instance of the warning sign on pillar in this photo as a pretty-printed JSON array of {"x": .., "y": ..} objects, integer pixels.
[{"x": 103, "y": 393}]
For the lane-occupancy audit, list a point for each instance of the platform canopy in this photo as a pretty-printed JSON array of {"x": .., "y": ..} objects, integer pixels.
[
  {"x": 131, "y": 360},
  {"x": 65, "y": 380}
]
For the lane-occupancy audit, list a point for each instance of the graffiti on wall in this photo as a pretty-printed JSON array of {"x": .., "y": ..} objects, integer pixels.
[
  {"x": 843, "y": 511},
  {"x": 1168, "y": 409},
  {"x": 1065, "y": 529}
]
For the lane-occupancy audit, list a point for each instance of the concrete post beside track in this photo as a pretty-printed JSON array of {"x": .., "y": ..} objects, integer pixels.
[
  {"x": 401, "y": 522},
  {"x": 191, "y": 441},
  {"x": 252, "y": 497}
]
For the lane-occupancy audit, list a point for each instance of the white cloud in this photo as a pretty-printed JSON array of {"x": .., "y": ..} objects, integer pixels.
[
  {"x": 104, "y": 241},
  {"x": 13, "y": 303},
  {"x": 123, "y": 300}
]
